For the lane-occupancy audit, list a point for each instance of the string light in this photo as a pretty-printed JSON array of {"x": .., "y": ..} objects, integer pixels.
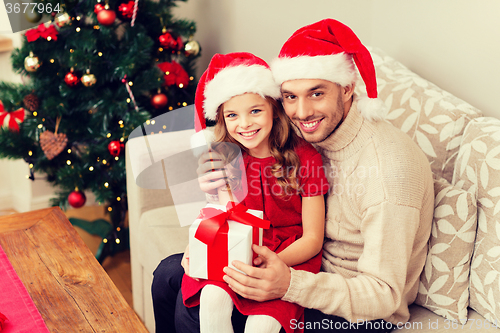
[
  {"x": 71, "y": 50},
  {"x": 52, "y": 61},
  {"x": 148, "y": 122},
  {"x": 118, "y": 199},
  {"x": 191, "y": 78},
  {"x": 110, "y": 209},
  {"x": 117, "y": 241},
  {"x": 69, "y": 151},
  {"x": 35, "y": 113},
  {"x": 30, "y": 153},
  {"x": 78, "y": 29},
  {"x": 91, "y": 168},
  {"x": 68, "y": 162},
  {"x": 104, "y": 162},
  {"x": 184, "y": 104},
  {"x": 116, "y": 158},
  {"x": 153, "y": 122},
  {"x": 181, "y": 85},
  {"x": 49, "y": 38},
  {"x": 99, "y": 54},
  {"x": 96, "y": 27},
  {"x": 118, "y": 229},
  {"x": 130, "y": 83},
  {"x": 108, "y": 135},
  {"x": 128, "y": 100},
  {"x": 122, "y": 139},
  {"x": 40, "y": 126},
  {"x": 106, "y": 185},
  {"x": 105, "y": 240},
  {"x": 31, "y": 165}
]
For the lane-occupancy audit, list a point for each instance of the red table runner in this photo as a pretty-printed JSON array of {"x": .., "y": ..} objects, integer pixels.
[{"x": 15, "y": 302}]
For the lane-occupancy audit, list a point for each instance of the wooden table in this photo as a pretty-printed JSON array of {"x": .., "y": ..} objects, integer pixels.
[{"x": 68, "y": 286}]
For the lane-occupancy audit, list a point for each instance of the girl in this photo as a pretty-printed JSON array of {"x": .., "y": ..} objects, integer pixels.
[{"x": 285, "y": 180}]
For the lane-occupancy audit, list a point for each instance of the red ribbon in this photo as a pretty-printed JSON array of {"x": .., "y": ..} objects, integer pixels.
[
  {"x": 41, "y": 31},
  {"x": 213, "y": 231},
  {"x": 11, "y": 119}
]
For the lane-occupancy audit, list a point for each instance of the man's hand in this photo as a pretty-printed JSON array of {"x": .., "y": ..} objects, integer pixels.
[
  {"x": 267, "y": 282},
  {"x": 210, "y": 175}
]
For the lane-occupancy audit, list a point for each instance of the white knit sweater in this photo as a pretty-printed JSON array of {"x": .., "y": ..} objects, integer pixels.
[{"x": 379, "y": 215}]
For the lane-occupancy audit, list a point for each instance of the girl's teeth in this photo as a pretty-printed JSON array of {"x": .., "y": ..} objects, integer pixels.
[
  {"x": 309, "y": 125},
  {"x": 248, "y": 133}
]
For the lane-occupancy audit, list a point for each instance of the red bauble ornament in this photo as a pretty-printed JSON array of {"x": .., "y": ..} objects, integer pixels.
[
  {"x": 126, "y": 9},
  {"x": 159, "y": 101},
  {"x": 76, "y": 199},
  {"x": 170, "y": 42},
  {"x": 114, "y": 148},
  {"x": 106, "y": 17},
  {"x": 71, "y": 79},
  {"x": 98, "y": 8}
]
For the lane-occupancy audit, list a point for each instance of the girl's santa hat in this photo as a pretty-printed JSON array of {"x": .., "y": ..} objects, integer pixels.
[
  {"x": 230, "y": 75},
  {"x": 326, "y": 50}
]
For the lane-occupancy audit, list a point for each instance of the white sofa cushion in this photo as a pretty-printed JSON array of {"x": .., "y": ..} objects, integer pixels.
[
  {"x": 477, "y": 170},
  {"x": 444, "y": 283}
]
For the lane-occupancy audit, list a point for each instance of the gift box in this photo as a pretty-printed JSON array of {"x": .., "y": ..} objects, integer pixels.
[{"x": 222, "y": 234}]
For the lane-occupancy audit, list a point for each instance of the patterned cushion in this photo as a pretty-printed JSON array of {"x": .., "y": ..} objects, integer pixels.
[
  {"x": 434, "y": 118},
  {"x": 478, "y": 163},
  {"x": 444, "y": 283}
]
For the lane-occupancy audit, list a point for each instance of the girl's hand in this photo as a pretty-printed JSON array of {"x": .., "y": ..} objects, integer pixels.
[{"x": 185, "y": 260}]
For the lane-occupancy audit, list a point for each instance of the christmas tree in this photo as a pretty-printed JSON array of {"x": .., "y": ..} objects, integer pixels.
[{"x": 94, "y": 73}]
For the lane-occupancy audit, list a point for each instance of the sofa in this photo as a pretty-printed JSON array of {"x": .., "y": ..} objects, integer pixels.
[{"x": 460, "y": 283}]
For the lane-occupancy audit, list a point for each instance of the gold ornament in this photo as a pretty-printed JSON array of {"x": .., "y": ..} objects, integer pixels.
[
  {"x": 88, "y": 80},
  {"x": 32, "y": 16},
  {"x": 192, "y": 48},
  {"x": 62, "y": 20},
  {"x": 31, "y": 63}
]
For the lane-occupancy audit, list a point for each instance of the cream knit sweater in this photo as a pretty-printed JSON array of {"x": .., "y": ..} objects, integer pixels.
[{"x": 379, "y": 215}]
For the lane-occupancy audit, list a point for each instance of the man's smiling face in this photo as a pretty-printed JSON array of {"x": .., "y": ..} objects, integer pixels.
[{"x": 315, "y": 106}]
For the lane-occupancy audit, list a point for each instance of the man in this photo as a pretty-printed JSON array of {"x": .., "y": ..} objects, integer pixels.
[{"x": 380, "y": 206}]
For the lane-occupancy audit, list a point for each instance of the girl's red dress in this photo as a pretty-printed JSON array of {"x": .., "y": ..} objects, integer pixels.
[{"x": 285, "y": 215}]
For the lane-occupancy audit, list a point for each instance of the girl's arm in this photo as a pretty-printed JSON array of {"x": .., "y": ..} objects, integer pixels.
[{"x": 311, "y": 242}]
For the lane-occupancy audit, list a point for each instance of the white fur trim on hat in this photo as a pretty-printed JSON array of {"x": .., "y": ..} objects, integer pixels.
[
  {"x": 338, "y": 68},
  {"x": 238, "y": 80},
  {"x": 372, "y": 109}
]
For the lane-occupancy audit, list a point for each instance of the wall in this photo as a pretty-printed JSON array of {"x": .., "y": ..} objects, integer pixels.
[{"x": 454, "y": 43}]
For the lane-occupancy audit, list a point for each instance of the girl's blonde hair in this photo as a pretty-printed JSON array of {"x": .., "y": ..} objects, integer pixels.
[{"x": 282, "y": 142}]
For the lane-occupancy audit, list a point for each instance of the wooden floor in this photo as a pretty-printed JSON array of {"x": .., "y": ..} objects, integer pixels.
[{"x": 118, "y": 266}]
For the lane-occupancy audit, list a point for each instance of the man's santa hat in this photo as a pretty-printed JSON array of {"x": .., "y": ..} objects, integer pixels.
[
  {"x": 230, "y": 75},
  {"x": 326, "y": 50}
]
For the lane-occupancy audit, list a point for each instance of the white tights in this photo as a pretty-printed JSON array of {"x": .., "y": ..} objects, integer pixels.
[{"x": 216, "y": 307}]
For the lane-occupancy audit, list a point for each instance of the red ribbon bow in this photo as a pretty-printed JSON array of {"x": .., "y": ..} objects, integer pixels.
[
  {"x": 213, "y": 231},
  {"x": 41, "y": 31},
  {"x": 11, "y": 119}
]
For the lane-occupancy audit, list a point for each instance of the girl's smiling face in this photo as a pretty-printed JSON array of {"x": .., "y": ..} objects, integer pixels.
[{"x": 249, "y": 120}]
